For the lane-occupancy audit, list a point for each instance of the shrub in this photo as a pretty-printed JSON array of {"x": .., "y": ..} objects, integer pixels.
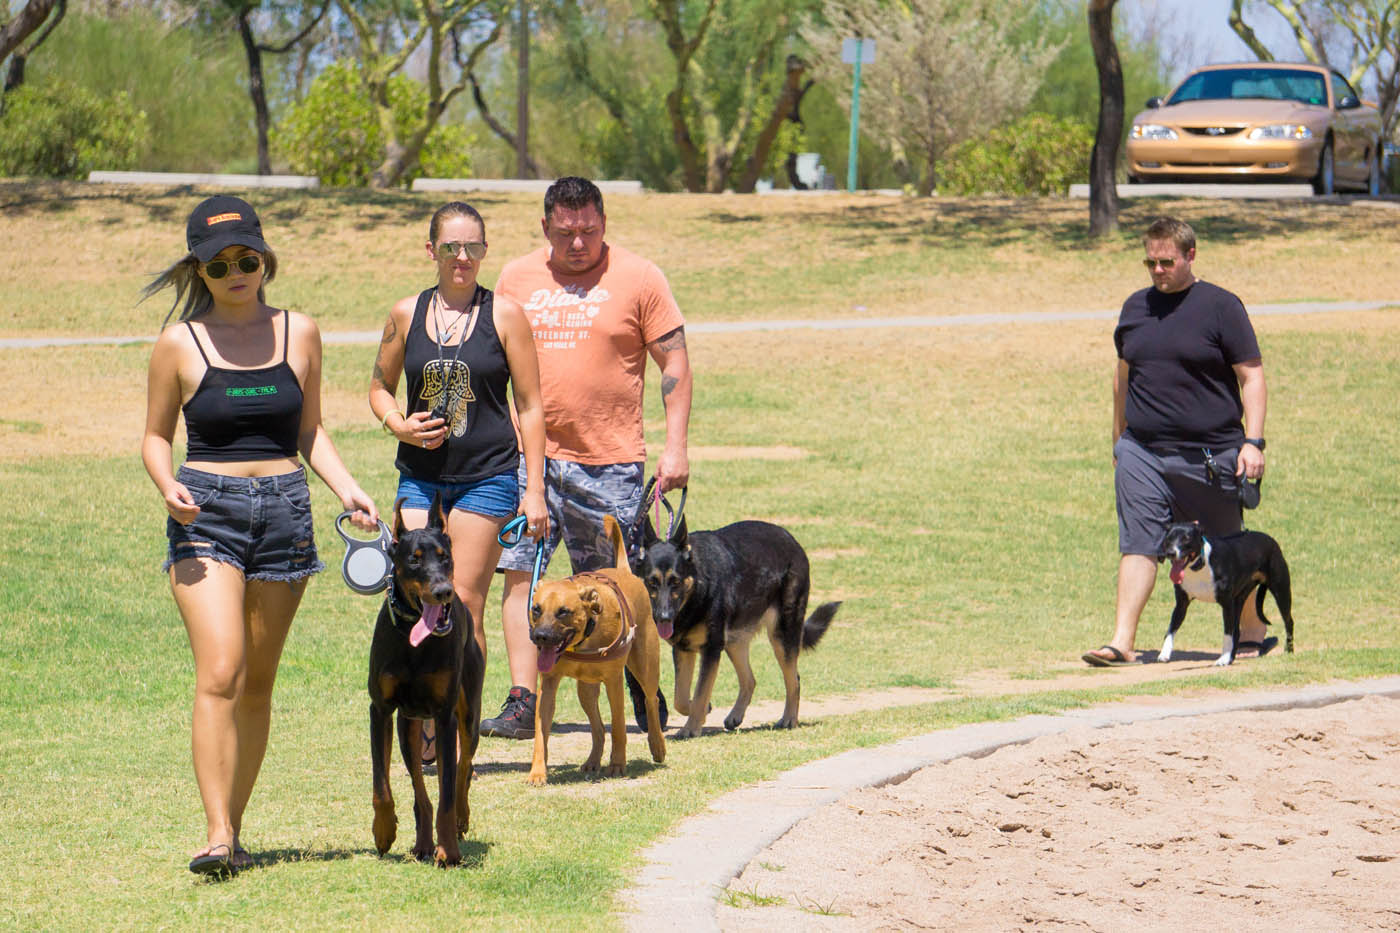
[
  {"x": 60, "y": 130},
  {"x": 334, "y": 133},
  {"x": 1037, "y": 154}
]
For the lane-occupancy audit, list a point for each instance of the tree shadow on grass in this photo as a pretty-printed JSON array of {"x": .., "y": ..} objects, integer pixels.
[
  {"x": 988, "y": 223},
  {"x": 170, "y": 205}
]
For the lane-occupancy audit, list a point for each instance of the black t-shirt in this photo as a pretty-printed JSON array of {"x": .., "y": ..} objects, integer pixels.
[
  {"x": 1180, "y": 349},
  {"x": 470, "y": 383}
]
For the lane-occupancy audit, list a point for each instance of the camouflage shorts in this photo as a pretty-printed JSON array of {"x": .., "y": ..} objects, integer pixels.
[{"x": 578, "y": 496}]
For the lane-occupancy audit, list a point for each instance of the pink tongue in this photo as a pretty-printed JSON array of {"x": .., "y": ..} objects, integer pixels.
[
  {"x": 432, "y": 613},
  {"x": 547, "y": 658},
  {"x": 664, "y": 629},
  {"x": 1178, "y": 567}
]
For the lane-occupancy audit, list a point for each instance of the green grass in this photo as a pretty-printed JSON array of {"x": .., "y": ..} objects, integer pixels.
[{"x": 955, "y": 492}]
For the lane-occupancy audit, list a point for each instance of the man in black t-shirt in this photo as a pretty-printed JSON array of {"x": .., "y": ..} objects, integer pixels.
[{"x": 1189, "y": 368}]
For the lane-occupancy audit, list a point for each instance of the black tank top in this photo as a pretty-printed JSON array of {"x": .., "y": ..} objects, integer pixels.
[
  {"x": 469, "y": 381},
  {"x": 244, "y": 414}
]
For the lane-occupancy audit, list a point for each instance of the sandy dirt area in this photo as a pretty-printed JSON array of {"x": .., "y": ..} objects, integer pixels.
[{"x": 1283, "y": 820}]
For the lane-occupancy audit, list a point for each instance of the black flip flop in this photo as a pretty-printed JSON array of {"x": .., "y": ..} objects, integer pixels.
[
  {"x": 212, "y": 863},
  {"x": 1118, "y": 659}
]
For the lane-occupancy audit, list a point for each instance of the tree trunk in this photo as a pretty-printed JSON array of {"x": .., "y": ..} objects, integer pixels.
[
  {"x": 30, "y": 18},
  {"x": 533, "y": 168},
  {"x": 523, "y": 166},
  {"x": 1103, "y": 183},
  {"x": 13, "y": 34},
  {"x": 255, "y": 89},
  {"x": 783, "y": 107}
]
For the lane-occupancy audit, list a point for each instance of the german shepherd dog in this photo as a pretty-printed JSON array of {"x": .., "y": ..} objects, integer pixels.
[
  {"x": 424, "y": 663},
  {"x": 712, "y": 591}
]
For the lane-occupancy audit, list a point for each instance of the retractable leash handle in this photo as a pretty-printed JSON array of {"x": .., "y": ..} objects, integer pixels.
[
  {"x": 511, "y": 534},
  {"x": 366, "y": 566}
]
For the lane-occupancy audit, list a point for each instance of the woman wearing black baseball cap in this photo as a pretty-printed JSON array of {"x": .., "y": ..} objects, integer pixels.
[{"x": 247, "y": 378}]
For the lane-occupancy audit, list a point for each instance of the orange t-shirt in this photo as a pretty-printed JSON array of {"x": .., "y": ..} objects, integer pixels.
[{"x": 591, "y": 334}]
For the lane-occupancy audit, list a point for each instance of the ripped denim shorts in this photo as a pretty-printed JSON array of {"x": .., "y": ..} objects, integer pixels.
[{"x": 259, "y": 524}]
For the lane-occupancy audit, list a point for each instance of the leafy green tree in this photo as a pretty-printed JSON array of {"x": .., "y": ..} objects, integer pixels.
[
  {"x": 189, "y": 83},
  {"x": 387, "y": 34},
  {"x": 1036, "y": 154},
  {"x": 57, "y": 129},
  {"x": 727, "y": 81},
  {"x": 944, "y": 70},
  {"x": 335, "y": 133}
]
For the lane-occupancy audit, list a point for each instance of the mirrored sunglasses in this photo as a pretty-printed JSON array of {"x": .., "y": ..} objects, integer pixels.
[
  {"x": 247, "y": 264},
  {"x": 448, "y": 251},
  {"x": 1164, "y": 263}
]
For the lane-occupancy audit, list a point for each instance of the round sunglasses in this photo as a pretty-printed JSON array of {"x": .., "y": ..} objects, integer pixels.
[{"x": 247, "y": 264}]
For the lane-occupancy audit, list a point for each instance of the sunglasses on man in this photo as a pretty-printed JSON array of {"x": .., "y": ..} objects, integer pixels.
[
  {"x": 1164, "y": 263},
  {"x": 248, "y": 263},
  {"x": 449, "y": 251}
]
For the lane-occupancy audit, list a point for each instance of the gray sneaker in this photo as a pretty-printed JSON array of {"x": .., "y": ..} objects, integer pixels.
[{"x": 517, "y": 718}]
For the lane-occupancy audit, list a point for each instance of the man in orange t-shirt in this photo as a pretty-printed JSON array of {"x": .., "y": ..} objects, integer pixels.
[{"x": 597, "y": 311}]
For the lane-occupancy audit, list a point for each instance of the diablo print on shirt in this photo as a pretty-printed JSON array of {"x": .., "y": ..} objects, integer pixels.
[{"x": 562, "y": 317}]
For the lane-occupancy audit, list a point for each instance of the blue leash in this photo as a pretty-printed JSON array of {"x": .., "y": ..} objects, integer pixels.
[{"x": 512, "y": 534}]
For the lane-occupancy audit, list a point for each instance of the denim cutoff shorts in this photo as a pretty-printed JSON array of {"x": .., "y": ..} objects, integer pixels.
[
  {"x": 577, "y": 496},
  {"x": 259, "y": 524},
  {"x": 495, "y": 497}
]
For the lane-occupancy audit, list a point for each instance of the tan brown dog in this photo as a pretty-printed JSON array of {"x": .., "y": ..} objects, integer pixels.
[{"x": 590, "y": 627}]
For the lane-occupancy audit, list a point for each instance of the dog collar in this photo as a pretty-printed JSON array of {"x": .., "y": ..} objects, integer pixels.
[
  {"x": 626, "y": 632},
  {"x": 1200, "y": 562}
]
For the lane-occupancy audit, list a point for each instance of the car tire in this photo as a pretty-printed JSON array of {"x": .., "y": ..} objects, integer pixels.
[
  {"x": 1325, "y": 181},
  {"x": 1374, "y": 183}
]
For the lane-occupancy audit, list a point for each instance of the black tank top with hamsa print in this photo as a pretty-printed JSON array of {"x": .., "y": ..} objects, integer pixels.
[{"x": 469, "y": 382}]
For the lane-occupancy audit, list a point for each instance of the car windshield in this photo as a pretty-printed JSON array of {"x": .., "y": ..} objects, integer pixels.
[{"x": 1306, "y": 87}]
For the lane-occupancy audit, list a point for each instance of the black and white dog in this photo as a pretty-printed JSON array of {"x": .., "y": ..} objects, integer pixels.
[
  {"x": 712, "y": 591},
  {"x": 1223, "y": 570}
]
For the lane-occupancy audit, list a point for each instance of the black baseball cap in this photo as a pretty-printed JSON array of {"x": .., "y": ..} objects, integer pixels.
[{"x": 220, "y": 222}]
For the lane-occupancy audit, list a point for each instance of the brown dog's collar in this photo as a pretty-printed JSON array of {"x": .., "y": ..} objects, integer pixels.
[{"x": 626, "y": 632}]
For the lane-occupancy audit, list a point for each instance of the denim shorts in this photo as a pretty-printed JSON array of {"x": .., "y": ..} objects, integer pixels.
[
  {"x": 1156, "y": 488},
  {"x": 577, "y": 496},
  {"x": 259, "y": 524},
  {"x": 495, "y": 497}
]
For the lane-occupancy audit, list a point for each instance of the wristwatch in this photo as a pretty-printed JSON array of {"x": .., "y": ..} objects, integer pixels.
[{"x": 1256, "y": 441}]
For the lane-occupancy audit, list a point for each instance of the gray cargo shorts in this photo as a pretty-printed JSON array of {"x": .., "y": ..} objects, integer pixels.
[
  {"x": 1156, "y": 488},
  {"x": 577, "y": 496}
]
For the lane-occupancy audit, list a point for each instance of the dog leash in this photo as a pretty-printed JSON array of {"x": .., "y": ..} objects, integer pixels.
[
  {"x": 512, "y": 533},
  {"x": 658, "y": 500}
]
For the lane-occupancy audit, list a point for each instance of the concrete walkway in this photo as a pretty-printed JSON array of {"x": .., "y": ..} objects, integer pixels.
[
  {"x": 686, "y": 870},
  {"x": 738, "y": 327}
]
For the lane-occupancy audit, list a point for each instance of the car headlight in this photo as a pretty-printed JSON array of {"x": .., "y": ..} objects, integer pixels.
[
  {"x": 1281, "y": 131},
  {"x": 1152, "y": 131}
]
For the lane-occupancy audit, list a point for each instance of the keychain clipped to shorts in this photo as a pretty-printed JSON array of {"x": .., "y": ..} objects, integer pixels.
[{"x": 367, "y": 566}]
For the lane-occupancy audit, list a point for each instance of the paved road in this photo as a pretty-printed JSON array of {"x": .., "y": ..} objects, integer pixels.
[{"x": 738, "y": 327}]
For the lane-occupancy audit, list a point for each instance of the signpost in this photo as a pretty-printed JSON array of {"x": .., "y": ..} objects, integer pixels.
[{"x": 854, "y": 52}]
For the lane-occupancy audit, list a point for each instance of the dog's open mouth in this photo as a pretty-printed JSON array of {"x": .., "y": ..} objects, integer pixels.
[
  {"x": 549, "y": 654},
  {"x": 1179, "y": 568},
  {"x": 432, "y": 620}
]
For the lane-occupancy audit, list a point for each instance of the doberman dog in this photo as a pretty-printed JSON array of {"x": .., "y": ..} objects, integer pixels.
[
  {"x": 712, "y": 591},
  {"x": 424, "y": 663},
  {"x": 591, "y": 626},
  {"x": 1223, "y": 569}
]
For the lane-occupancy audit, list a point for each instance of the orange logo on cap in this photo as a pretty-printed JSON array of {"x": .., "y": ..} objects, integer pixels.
[{"x": 220, "y": 218}]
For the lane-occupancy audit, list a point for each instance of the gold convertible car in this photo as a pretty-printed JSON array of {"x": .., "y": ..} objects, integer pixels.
[{"x": 1266, "y": 121}]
